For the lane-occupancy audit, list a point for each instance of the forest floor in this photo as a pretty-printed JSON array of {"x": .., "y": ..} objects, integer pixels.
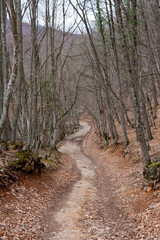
[{"x": 97, "y": 193}]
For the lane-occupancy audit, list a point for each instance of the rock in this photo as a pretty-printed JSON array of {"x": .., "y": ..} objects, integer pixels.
[
  {"x": 152, "y": 172},
  {"x": 151, "y": 206}
]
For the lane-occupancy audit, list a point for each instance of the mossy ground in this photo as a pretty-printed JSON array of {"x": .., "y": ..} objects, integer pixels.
[
  {"x": 17, "y": 145},
  {"x": 14, "y": 161},
  {"x": 6, "y": 146}
]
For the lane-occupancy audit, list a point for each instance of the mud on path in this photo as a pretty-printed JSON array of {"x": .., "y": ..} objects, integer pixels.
[{"x": 90, "y": 210}]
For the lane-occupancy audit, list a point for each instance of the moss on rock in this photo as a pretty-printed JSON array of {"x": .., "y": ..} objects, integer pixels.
[
  {"x": 152, "y": 171},
  {"x": 17, "y": 145},
  {"x": 6, "y": 146},
  {"x": 27, "y": 162}
]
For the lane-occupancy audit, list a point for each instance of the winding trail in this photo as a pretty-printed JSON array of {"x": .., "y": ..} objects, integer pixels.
[
  {"x": 94, "y": 195},
  {"x": 81, "y": 215},
  {"x": 83, "y": 191}
]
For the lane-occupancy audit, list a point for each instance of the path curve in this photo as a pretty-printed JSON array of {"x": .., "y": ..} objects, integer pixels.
[
  {"x": 92, "y": 210},
  {"x": 83, "y": 190}
]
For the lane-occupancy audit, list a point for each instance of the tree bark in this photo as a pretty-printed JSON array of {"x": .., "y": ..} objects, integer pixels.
[
  {"x": 1, "y": 66},
  {"x": 20, "y": 71},
  {"x": 8, "y": 90}
]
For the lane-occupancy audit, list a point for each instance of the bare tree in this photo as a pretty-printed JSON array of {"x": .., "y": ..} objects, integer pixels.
[
  {"x": 9, "y": 87},
  {"x": 20, "y": 71},
  {"x": 1, "y": 65}
]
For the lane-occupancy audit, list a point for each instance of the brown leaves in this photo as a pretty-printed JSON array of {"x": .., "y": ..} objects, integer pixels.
[
  {"x": 24, "y": 205},
  {"x": 125, "y": 175}
]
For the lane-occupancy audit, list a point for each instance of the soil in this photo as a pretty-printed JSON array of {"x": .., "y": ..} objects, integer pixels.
[
  {"x": 23, "y": 205},
  {"x": 96, "y": 194},
  {"x": 107, "y": 202}
]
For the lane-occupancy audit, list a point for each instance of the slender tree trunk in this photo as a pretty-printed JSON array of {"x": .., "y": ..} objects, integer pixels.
[
  {"x": 52, "y": 41},
  {"x": 4, "y": 44},
  {"x": 55, "y": 130},
  {"x": 144, "y": 111},
  {"x": 30, "y": 108},
  {"x": 152, "y": 86},
  {"x": 8, "y": 90},
  {"x": 35, "y": 66},
  {"x": 6, "y": 128},
  {"x": 1, "y": 66},
  {"x": 157, "y": 10},
  {"x": 20, "y": 71}
]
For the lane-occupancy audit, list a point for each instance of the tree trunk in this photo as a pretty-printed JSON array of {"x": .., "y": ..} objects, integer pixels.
[
  {"x": 8, "y": 90},
  {"x": 114, "y": 45},
  {"x": 1, "y": 67},
  {"x": 20, "y": 71},
  {"x": 157, "y": 10}
]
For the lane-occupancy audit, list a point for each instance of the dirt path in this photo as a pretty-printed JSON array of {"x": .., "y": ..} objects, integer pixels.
[
  {"x": 83, "y": 191},
  {"x": 91, "y": 201},
  {"x": 95, "y": 194}
]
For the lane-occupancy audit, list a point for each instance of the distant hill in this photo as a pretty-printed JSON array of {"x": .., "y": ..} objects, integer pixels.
[{"x": 26, "y": 26}]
